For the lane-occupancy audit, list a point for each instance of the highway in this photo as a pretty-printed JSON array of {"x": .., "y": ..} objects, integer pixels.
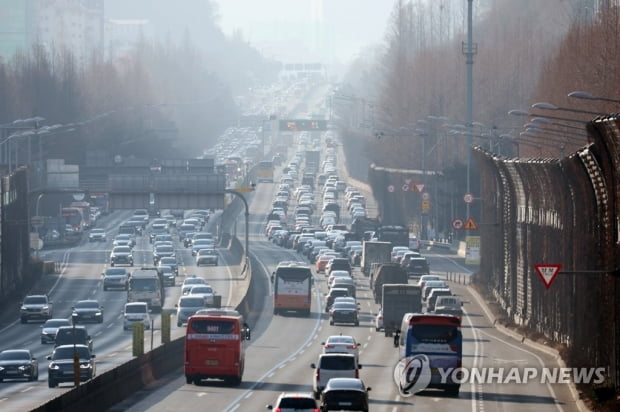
[
  {"x": 80, "y": 278},
  {"x": 283, "y": 347}
]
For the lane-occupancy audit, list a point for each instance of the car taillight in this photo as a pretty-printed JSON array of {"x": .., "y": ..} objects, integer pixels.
[
  {"x": 329, "y": 346},
  {"x": 318, "y": 375},
  {"x": 277, "y": 410},
  {"x": 357, "y": 373},
  {"x": 454, "y": 348},
  {"x": 351, "y": 347}
]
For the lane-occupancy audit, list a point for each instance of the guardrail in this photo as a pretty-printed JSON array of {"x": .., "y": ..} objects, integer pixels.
[{"x": 457, "y": 277}]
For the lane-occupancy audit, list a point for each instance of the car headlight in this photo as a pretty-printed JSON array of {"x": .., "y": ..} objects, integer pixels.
[
  {"x": 85, "y": 366},
  {"x": 23, "y": 368},
  {"x": 54, "y": 366},
  {"x": 1, "y": 368},
  {"x": 98, "y": 314}
]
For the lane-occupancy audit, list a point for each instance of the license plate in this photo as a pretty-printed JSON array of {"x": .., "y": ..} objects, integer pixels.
[
  {"x": 344, "y": 403},
  {"x": 212, "y": 362}
]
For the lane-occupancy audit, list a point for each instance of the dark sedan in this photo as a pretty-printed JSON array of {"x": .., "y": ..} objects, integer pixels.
[
  {"x": 343, "y": 313},
  {"x": 18, "y": 364},
  {"x": 345, "y": 394},
  {"x": 88, "y": 311}
]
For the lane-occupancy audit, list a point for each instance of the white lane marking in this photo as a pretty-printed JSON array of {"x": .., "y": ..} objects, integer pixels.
[
  {"x": 474, "y": 390},
  {"x": 270, "y": 373},
  {"x": 248, "y": 395},
  {"x": 29, "y": 388},
  {"x": 538, "y": 358}
]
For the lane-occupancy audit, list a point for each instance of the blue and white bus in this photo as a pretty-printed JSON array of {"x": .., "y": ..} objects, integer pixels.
[{"x": 439, "y": 339}]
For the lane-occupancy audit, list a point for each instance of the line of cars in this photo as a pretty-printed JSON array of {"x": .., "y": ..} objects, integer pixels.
[{"x": 336, "y": 380}]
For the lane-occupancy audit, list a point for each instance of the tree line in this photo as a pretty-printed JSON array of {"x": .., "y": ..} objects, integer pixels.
[{"x": 160, "y": 100}]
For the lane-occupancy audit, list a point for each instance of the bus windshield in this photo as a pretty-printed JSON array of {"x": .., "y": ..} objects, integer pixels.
[{"x": 143, "y": 284}]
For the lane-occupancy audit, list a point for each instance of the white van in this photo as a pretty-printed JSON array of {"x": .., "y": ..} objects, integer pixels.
[
  {"x": 136, "y": 312},
  {"x": 333, "y": 365},
  {"x": 450, "y": 305}
]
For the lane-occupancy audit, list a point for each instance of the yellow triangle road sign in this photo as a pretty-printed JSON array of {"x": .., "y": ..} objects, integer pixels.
[{"x": 470, "y": 224}]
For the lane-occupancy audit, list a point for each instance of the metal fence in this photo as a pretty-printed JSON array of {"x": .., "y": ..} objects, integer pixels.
[
  {"x": 557, "y": 211},
  {"x": 547, "y": 211}
]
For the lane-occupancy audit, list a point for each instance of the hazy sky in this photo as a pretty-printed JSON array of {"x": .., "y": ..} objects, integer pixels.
[{"x": 307, "y": 30}]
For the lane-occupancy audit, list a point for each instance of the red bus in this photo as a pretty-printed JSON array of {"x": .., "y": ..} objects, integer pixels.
[
  {"x": 73, "y": 217},
  {"x": 215, "y": 346},
  {"x": 292, "y": 288}
]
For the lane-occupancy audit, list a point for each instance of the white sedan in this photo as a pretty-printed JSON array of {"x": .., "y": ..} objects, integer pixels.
[{"x": 341, "y": 344}]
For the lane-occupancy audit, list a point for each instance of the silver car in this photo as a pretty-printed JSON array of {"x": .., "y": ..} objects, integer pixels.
[{"x": 187, "y": 306}]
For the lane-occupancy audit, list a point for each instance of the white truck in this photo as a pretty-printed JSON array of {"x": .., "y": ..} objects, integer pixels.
[
  {"x": 399, "y": 299},
  {"x": 36, "y": 307},
  {"x": 375, "y": 252}
]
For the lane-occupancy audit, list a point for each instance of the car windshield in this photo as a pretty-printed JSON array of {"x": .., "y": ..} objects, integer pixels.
[
  {"x": 344, "y": 306},
  {"x": 121, "y": 249},
  {"x": 135, "y": 309},
  {"x": 35, "y": 300},
  {"x": 86, "y": 304},
  {"x": 68, "y": 351},
  {"x": 297, "y": 403},
  {"x": 14, "y": 355},
  {"x": 194, "y": 281},
  {"x": 340, "y": 339},
  {"x": 97, "y": 231},
  {"x": 168, "y": 261},
  {"x": 56, "y": 323},
  {"x": 204, "y": 252},
  {"x": 201, "y": 289},
  {"x": 115, "y": 272},
  {"x": 165, "y": 249},
  {"x": 191, "y": 302}
]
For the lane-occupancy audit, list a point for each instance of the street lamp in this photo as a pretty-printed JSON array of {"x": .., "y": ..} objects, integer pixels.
[
  {"x": 76, "y": 356},
  {"x": 589, "y": 96},
  {"x": 549, "y": 106},
  {"x": 247, "y": 221},
  {"x": 519, "y": 112}
]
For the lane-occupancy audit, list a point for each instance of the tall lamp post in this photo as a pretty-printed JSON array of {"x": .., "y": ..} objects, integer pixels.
[
  {"x": 76, "y": 356},
  {"x": 589, "y": 96},
  {"x": 237, "y": 192}
]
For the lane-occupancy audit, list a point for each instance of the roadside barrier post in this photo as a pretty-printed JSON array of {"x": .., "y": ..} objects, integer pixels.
[
  {"x": 138, "y": 339},
  {"x": 165, "y": 327}
]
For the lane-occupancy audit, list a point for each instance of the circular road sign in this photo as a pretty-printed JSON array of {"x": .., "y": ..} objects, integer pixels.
[
  {"x": 405, "y": 187},
  {"x": 426, "y": 196},
  {"x": 390, "y": 188},
  {"x": 468, "y": 198},
  {"x": 457, "y": 224}
]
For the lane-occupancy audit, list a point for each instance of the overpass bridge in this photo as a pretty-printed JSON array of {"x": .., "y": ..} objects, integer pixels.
[{"x": 133, "y": 183}]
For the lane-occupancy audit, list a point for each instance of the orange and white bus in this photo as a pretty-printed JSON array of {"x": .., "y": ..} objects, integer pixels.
[
  {"x": 264, "y": 171},
  {"x": 292, "y": 284},
  {"x": 215, "y": 341}
]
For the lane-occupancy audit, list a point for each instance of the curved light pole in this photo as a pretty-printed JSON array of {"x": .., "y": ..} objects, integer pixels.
[
  {"x": 519, "y": 112},
  {"x": 589, "y": 96},
  {"x": 247, "y": 222},
  {"x": 549, "y": 106}
]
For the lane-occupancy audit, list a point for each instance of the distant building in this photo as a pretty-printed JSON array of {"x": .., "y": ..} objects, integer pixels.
[
  {"x": 75, "y": 25},
  {"x": 299, "y": 71},
  {"x": 122, "y": 35}
]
